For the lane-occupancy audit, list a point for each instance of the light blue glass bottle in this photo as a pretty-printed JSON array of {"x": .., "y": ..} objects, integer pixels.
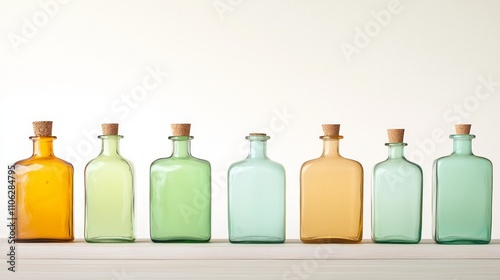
[
  {"x": 462, "y": 193},
  {"x": 256, "y": 196},
  {"x": 396, "y": 196}
]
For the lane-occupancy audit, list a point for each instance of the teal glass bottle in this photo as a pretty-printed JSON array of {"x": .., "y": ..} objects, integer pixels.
[
  {"x": 180, "y": 193},
  {"x": 256, "y": 196},
  {"x": 462, "y": 193},
  {"x": 109, "y": 192},
  {"x": 396, "y": 195}
]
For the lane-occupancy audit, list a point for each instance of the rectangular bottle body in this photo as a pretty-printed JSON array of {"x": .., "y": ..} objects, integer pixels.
[
  {"x": 397, "y": 202},
  {"x": 109, "y": 201},
  {"x": 331, "y": 201},
  {"x": 256, "y": 202},
  {"x": 44, "y": 200},
  {"x": 462, "y": 199},
  {"x": 180, "y": 200}
]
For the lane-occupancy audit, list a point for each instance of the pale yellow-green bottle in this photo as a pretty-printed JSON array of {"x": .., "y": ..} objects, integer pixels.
[
  {"x": 109, "y": 192},
  {"x": 331, "y": 195}
]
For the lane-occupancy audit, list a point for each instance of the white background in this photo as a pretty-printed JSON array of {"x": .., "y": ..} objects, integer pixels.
[{"x": 249, "y": 66}]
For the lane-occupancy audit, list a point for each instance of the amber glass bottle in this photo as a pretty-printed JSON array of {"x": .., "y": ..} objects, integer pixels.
[
  {"x": 331, "y": 195},
  {"x": 44, "y": 192}
]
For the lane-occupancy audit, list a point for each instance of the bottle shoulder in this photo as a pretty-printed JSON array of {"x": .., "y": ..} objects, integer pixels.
[
  {"x": 170, "y": 161},
  {"x": 397, "y": 163},
  {"x": 483, "y": 159},
  {"x": 463, "y": 165},
  {"x": 103, "y": 160},
  {"x": 337, "y": 158},
  {"x": 462, "y": 158},
  {"x": 337, "y": 161},
  {"x": 108, "y": 158},
  {"x": 44, "y": 161},
  {"x": 260, "y": 162}
]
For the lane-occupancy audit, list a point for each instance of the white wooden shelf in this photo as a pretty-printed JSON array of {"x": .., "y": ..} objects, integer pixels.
[{"x": 220, "y": 259}]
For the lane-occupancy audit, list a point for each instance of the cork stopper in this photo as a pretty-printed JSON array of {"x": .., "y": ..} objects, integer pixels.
[
  {"x": 462, "y": 128},
  {"x": 109, "y": 129},
  {"x": 396, "y": 135},
  {"x": 42, "y": 128},
  {"x": 257, "y": 134},
  {"x": 331, "y": 129},
  {"x": 181, "y": 129}
]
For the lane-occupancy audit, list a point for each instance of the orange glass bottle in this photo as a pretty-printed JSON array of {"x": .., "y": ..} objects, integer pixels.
[
  {"x": 44, "y": 192},
  {"x": 331, "y": 195}
]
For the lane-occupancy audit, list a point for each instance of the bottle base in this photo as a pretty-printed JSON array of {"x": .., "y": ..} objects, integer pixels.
[
  {"x": 108, "y": 239},
  {"x": 462, "y": 242},
  {"x": 323, "y": 240},
  {"x": 257, "y": 239},
  {"x": 44, "y": 240},
  {"x": 180, "y": 240},
  {"x": 395, "y": 241}
]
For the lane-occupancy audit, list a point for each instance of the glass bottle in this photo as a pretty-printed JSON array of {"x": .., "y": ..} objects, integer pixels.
[
  {"x": 396, "y": 196},
  {"x": 109, "y": 192},
  {"x": 331, "y": 195},
  {"x": 462, "y": 193},
  {"x": 180, "y": 193},
  {"x": 44, "y": 192},
  {"x": 256, "y": 196}
]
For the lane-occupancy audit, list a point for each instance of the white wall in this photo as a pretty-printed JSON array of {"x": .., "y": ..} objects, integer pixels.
[{"x": 272, "y": 66}]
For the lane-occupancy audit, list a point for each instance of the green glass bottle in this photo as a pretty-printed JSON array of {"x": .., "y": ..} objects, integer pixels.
[
  {"x": 109, "y": 192},
  {"x": 256, "y": 196},
  {"x": 180, "y": 193},
  {"x": 396, "y": 196},
  {"x": 462, "y": 193}
]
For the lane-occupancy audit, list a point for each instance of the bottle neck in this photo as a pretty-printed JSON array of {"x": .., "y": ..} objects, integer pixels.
[
  {"x": 258, "y": 149},
  {"x": 462, "y": 144},
  {"x": 331, "y": 146},
  {"x": 43, "y": 146},
  {"x": 110, "y": 145},
  {"x": 181, "y": 146},
  {"x": 396, "y": 150}
]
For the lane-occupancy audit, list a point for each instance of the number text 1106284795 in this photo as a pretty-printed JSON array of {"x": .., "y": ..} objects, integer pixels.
[{"x": 11, "y": 218}]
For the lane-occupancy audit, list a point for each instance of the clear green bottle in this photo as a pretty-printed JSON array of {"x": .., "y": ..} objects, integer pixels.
[
  {"x": 462, "y": 193},
  {"x": 180, "y": 193},
  {"x": 109, "y": 192},
  {"x": 256, "y": 196},
  {"x": 396, "y": 196}
]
